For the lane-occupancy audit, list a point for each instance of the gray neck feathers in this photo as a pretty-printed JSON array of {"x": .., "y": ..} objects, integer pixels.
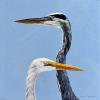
[
  {"x": 63, "y": 80},
  {"x": 67, "y": 37}
]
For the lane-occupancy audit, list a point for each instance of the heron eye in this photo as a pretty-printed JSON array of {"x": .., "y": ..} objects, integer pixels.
[
  {"x": 46, "y": 63},
  {"x": 51, "y": 18}
]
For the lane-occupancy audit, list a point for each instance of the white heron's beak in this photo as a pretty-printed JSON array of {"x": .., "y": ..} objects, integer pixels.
[
  {"x": 43, "y": 20},
  {"x": 60, "y": 66}
]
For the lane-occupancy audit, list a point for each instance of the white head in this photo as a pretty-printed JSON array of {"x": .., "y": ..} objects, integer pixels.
[
  {"x": 44, "y": 64},
  {"x": 40, "y": 65}
]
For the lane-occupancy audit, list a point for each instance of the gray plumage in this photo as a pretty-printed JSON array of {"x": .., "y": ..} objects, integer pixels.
[{"x": 62, "y": 76}]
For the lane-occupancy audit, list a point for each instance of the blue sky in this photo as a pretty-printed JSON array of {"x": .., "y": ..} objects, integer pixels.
[{"x": 20, "y": 43}]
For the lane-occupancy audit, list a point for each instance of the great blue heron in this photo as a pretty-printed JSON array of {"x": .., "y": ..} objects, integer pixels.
[
  {"x": 62, "y": 22},
  {"x": 39, "y": 65}
]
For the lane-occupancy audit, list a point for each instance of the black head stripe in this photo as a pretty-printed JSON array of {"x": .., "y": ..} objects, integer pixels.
[{"x": 61, "y": 16}]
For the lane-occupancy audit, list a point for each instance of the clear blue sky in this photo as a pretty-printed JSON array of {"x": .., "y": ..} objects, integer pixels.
[{"x": 20, "y": 43}]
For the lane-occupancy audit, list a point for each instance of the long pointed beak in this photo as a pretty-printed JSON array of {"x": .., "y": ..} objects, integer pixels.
[
  {"x": 34, "y": 20},
  {"x": 60, "y": 66}
]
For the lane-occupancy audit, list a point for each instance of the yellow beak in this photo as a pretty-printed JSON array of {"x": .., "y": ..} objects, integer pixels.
[{"x": 60, "y": 66}]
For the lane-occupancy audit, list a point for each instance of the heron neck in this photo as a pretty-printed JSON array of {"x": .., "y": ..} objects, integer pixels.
[
  {"x": 30, "y": 84},
  {"x": 64, "y": 83},
  {"x": 67, "y": 37}
]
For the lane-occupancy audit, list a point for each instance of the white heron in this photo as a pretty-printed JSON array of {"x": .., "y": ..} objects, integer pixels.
[{"x": 40, "y": 65}]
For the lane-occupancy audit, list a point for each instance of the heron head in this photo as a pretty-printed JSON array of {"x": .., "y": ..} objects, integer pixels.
[
  {"x": 44, "y": 64},
  {"x": 55, "y": 19}
]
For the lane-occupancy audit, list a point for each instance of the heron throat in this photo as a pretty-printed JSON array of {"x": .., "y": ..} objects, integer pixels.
[{"x": 30, "y": 83}]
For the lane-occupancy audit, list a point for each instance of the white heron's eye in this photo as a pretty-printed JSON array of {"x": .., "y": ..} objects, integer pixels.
[{"x": 44, "y": 63}]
